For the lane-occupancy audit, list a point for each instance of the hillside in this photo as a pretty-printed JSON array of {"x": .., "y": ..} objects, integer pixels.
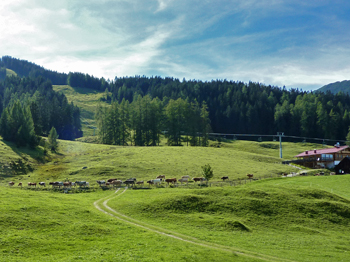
[
  {"x": 275, "y": 217},
  {"x": 280, "y": 219},
  {"x": 334, "y": 88},
  {"x": 296, "y": 219},
  {"x": 83, "y": 161},
  {"x": 234, "y": 107},
  {"x": 87, "y": 100},
  {"x": 24, "y": 68}
]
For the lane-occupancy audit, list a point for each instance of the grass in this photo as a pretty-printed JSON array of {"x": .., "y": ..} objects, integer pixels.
[
  {"x": 301, "y": 218},
  {"x": 86, "y": 161},
  {"x": 278, "y": 217},
  {"x": 44, "y": 226},
  {"x": 10, "y": 72},
  {"x": 87, "y": 100}
]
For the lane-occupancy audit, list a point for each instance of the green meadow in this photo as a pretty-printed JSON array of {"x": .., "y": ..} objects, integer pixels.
[
  {"x": 269, "y": 219},
  {"x": 278, "y": 219},
  {"x": 87, "y": 161},
  {"x": 285, "y": 217}
]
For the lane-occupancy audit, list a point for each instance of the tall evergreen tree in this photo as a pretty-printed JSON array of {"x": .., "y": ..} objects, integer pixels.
[{"x": 52, "y": 139}]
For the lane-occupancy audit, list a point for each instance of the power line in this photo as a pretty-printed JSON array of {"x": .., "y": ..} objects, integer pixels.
[{"x": 295, "y": 137}]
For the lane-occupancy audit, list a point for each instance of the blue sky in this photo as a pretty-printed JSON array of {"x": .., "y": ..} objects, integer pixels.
[{"x": 297, "y": 44}]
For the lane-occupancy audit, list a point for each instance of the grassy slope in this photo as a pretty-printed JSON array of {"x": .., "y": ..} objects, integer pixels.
[
  {"x": 87, "y": 100},
  {"x": 10, "y": 72},
  {"x": 43, "y": 226},
  {"x": 279, "y": 217},
  {"x": 103, "y": 161},
  {"x": 271, "y": 210}
]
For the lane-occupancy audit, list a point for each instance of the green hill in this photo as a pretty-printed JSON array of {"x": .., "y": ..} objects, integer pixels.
[
  {"x": 271, "y": 217},
  {"x": 334, "y": 88},
  {"x": 83, "y": 161},
  {"x": 280, "y": 219}
]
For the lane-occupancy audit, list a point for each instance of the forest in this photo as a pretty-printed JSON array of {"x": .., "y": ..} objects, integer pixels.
[
  {"x": 143, "y": 121},
  {"x": 29, "y": 108},
  {"x": 249, "y": 108},
  {"x": 234, "y": 107}
]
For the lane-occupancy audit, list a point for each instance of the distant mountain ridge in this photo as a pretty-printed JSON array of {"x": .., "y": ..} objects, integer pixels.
[
  {"x": 24, "y": 68},
  {"x": 334, "y": 88}
]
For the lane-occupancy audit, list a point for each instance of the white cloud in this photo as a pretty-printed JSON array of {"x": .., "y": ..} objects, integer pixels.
[{"x": 232, "y": 39}]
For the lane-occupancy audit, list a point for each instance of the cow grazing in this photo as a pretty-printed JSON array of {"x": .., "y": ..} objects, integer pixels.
[
  {"x": 170, "y": 180},
  {"x": 20, "y": 184},
  {"x": 250, "y": 176},
  {"x": 101, "y": 182},
  {"x": 183, "y": 180},
  {"x": 224, "y": 178},
  {"x": 42, "y": 184},
  {"x": 31, "y": 184},
  {"x": 198, "y": 179},
  {"x": 130, "y": 181},
  {"x": 139, "y": 182},
  {"x": 11, "y": 183},
  {"x": 67, "y": 184},
  {"x": 116, "y": 182},
  {"x": 111, "y": 180},
  {"x": 82, "y": 183},
  {"x": 161, "y": 176},
  {"x": 188, "y": 177},
  {"x": 56, "y": 184},
  {"x": 155, "y": 181}
]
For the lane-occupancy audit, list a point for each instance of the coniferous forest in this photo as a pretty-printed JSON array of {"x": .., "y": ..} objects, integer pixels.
[
  {"x": 30, "y": 108},
  {"x": 232, "y": 107}
]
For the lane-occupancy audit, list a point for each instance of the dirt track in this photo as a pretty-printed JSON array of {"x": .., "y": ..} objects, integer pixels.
[{"x": 115, "y": 214}]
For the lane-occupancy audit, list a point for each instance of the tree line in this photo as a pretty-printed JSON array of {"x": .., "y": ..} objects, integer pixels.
[
  {"x": 24, "y": 68},
  {"x": 250, "y": 108},
  {"x": 142, "y": 121},
  {"x": 233, "y": 106},
  {"x": 29, "y": 108}
]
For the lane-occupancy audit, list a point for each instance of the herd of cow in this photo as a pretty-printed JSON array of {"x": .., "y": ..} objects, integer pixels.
[
  {"x": 54, "y": 184},
  {"x": 117, "y": 182},
  {"x": 160, "y": 179}
]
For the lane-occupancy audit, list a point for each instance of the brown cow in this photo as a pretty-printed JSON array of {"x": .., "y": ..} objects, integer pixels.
[
  {"x": 31, "y": 184},
  {"x": 20, "y": 184},
  {"x": 161, "y": 176},
  {"x": 250, "y": 176},
  {"x": 150, "y": 182},
  {"x": 116, "y": 182},
  {"x": 224, "y": 178},
  {"x": 67, "y": 184},
  {"x": 111, "y": 180},
  {"x": 139, "y": 182},
  {"x": 170, "y": 180},
  {"x": 11, "y": 183}
]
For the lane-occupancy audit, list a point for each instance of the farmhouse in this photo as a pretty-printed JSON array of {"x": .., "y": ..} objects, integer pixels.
[{"x": 323, "y": 158}]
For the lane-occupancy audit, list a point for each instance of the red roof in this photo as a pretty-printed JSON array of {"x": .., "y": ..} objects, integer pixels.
[{"x": 322, "y": 151}]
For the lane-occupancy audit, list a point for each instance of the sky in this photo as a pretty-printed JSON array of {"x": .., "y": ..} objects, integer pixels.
[{"x": 296, "y": 44}]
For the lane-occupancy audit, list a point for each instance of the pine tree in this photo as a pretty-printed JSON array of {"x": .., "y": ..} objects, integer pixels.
[{"x": 53, "y": 143}]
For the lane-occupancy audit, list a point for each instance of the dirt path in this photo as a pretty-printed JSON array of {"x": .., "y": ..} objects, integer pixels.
[{"x": 115, "y": 214}]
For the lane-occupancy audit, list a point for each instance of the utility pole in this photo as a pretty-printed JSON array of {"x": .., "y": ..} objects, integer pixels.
[{"x": 280, "y": 134}]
